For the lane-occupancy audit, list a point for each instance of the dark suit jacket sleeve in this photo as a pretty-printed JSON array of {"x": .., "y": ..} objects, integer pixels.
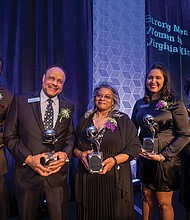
[
  {"x": 180, "y": 128},
  {"x": 11, "y": 134},
  {"x": 70, "y": 136},
  {"x": 4, "y": 108}
]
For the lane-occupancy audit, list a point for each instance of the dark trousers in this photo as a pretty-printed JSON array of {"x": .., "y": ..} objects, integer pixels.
[
  {"x": 3, "y": 214},
  {"x": 57, "y": 198}
]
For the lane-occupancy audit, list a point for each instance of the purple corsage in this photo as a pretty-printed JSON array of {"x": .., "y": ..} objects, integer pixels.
[
  {"x": 162, "y": 105},
  {"x": 111, "y": 124}
]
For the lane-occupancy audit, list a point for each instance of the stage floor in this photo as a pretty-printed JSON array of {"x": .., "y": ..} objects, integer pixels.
[{"x": 178, "y": 209}]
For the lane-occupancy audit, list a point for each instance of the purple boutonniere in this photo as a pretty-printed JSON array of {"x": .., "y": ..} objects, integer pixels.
[
  {"x": 162, "y": 105},
  {"x": 111, "y": 124}
]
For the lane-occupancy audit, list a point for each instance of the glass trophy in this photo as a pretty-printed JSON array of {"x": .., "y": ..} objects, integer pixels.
[
  {"x": 96, "y": 157},
  {"x": 49, "y": 141},
  {"x": 149, "y": 144}
]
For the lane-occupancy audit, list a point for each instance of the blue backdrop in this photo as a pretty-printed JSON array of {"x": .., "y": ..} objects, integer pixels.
[{"x": 167, "y": 38}]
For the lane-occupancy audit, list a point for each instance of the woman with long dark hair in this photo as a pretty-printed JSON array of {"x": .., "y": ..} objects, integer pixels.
[{"x": 164, "y": 131}]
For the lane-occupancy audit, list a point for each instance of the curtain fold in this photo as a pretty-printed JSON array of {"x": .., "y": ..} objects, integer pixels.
[
  {"x": 167, "y": 38},
  {"x": 35, "y": 34}
]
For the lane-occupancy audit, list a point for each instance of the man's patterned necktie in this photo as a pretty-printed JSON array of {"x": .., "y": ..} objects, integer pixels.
[{"x": 48, "y": 118}]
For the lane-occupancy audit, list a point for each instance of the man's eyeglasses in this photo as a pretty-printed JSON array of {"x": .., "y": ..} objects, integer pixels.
[{"x": 100, "y": 96}]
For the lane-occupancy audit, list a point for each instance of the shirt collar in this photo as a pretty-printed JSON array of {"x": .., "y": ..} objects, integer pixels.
[{"x": 44, "y": 97}]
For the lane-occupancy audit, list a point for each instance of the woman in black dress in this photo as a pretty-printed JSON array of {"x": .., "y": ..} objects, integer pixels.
[
  {"x": 107, "y": 193},
  {"x": 163, "y": 122},
  {"x": 184, "y": 192}
]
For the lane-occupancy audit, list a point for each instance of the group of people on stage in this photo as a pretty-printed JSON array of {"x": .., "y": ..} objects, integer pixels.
[{"x": 39, "y": 132}]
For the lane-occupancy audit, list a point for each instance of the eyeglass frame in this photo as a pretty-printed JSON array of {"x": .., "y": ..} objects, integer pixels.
[{"x": 106, "y": 97}]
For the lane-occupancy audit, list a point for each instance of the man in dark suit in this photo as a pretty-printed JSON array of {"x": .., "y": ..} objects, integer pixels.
[
  {"x": 5, "y": 100},
  {"x": 24, "y": 138}
]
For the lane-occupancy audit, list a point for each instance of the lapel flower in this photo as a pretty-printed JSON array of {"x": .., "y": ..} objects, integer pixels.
[
  {"x": 162, "y": 105},
  {"x": 64, "y": 114},
  {"x": 111, "y": 124}
]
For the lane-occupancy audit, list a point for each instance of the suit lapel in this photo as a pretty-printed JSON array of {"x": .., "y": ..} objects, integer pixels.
[
  {"x": 37, "y": 112},
  {"x": 62, "y": 104}
]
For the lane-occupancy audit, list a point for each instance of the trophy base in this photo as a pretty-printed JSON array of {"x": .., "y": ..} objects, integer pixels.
[
  {"x": 95, "y": 162},
  {"x": 148, "y": 145},
  {"x": 49, "y": 159}
]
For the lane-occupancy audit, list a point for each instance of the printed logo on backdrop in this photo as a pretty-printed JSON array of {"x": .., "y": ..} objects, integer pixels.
[{"x": 166, "y": 37}]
